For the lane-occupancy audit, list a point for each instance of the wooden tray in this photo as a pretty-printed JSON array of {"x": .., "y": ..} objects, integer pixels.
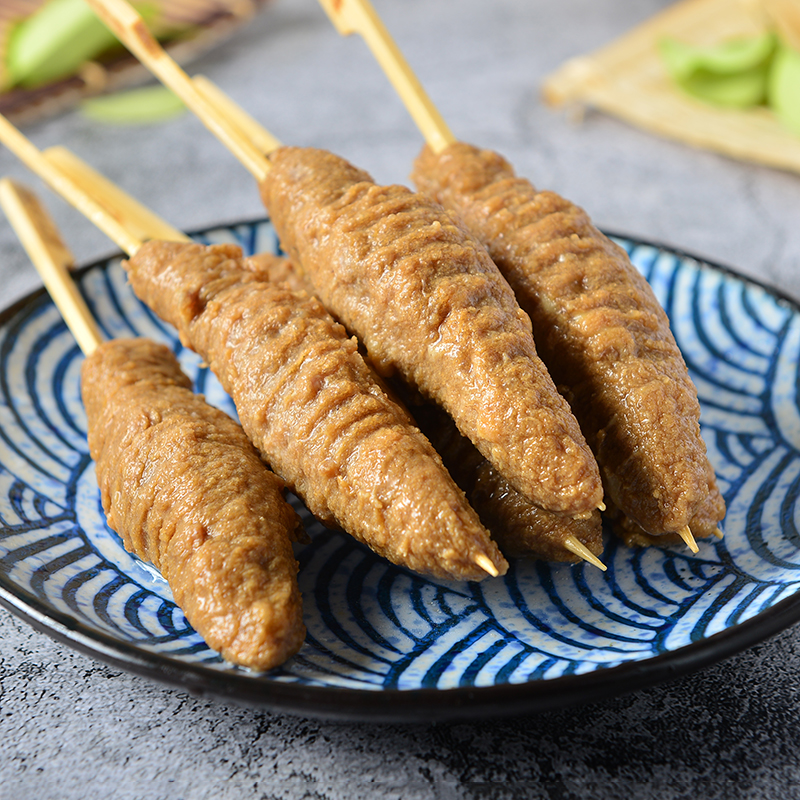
[
  {"x": 215, "y": 21},
  {"x": 627, "y": 79}
]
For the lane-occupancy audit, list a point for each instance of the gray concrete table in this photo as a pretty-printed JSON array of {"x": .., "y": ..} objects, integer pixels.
[{"x": 71, "y": 727}]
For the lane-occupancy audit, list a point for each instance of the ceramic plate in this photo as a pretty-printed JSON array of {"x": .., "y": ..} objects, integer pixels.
[{"x": 383, "y": 643}]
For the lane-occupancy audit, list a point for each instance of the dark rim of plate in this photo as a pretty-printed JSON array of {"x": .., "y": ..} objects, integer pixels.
[{"x": 399, "y": 705}]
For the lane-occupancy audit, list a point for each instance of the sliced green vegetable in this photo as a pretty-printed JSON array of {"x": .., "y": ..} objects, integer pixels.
[
  {"x": 733, "y": 73},
  {"x": 134, "y": 107},
  {"x": 733, "y": 91},
  {"x": 726, "y": 58},
  {"x": 784, "y": 87},
  {"x": 56, "y": 41}
]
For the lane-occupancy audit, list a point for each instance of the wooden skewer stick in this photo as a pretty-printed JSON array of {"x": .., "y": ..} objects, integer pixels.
[
  {"x": 248, "y": 128},
  {"x": 125, "y": 221},
  {"x": 62, "y": 185},
  {"x": 129, "y": 27},
  {"x": 358, "y": 16},
  {"x": 137, "y": 219},
  {"x": 686, "y": 534},
  {"x": 579, "y": 549},
  {"x": 51, "y": 257},
  {"x": 485, "y": 563}
]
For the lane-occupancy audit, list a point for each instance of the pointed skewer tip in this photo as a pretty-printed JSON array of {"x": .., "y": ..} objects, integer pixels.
[
  {"x": 485, "y": 563},
  {"x": 686, "y": 534},
  {"x": 579, "y": 549}
]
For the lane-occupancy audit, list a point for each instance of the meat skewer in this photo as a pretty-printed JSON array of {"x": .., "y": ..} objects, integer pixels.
[
  {"x": 305, "y": 398},
  {"x": 422, "y": 295},
  {"x": 180, "y": 482},
  {"x": 600, "y": 329},
  {"x": 520, "y": 528}
]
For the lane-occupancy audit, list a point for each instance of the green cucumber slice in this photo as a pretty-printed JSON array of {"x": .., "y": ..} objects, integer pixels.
[
  {"x": 784, "y": 87},
  {"x": 733, "y": 73},
  {"x": 142, "y": 106},
  {"x": 56, "y": 41}
]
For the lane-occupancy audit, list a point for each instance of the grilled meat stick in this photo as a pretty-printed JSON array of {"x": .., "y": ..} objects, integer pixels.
[
  {"x": 421, "y": 294},
  {"x": 428, "y": 303},
  {"x": 599, "y": 328},
  {"x": 303, "y": 393},
  {"x": 186, "y": 490},
  {"x": 179, "y": 480},
  {"x": 601, "y": 332},
  {"x": 520, "y": 528},
  {"x": 309, "y": 403}
]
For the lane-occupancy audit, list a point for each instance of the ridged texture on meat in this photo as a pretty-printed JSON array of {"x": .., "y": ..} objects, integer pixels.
[
  {"x": 276, "y": 269},
  {"x": 705, "y": 521},
  {"x": 520, "y": 528},
  {"x": 306, "y": 399},
  {"x": 187, "y": 491},
  {"x": 427, "y": 301},
  {"x": 599, "y": 329}
]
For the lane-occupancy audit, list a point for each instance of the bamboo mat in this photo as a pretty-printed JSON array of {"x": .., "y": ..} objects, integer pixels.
[
  {"x": 212, "y": 22},
  {"x": 627, "y": 79}
]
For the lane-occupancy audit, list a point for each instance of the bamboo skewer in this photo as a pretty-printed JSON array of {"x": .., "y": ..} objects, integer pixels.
[
  {"x": 486, "y": 565},
  {"x": 579, "y": 549},
  {"x": 140, "y": 222},
  {"x": 86, "y": 189},
  {"x": 244, "y": 136},
  {"x": 358, "y": 16},
  {"x": 686, "y": 534},
  {"x": 125, "y": 221},
  {"x": 129, "y": 27},
  {"x": 62, "y": 185},
  {"x": 247, "y": 127},
  {"x": 52, "y": 259}
]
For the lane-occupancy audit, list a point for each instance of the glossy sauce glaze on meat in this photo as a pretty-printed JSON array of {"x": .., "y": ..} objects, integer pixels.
[
  {"x": 427, "y": 302},
  {"x": 308, "y": 402},
  {"x": 187, "y": 491},
  {"x": 601, "y": 332}
]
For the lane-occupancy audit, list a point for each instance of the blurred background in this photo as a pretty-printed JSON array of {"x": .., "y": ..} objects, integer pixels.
[{"x": 483, "y": 65}]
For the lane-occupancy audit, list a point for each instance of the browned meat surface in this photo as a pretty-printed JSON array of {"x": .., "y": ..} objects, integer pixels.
[
  {"x": 599, "y": 329},
  {"x": 704, "y": 523},
  {"x": 307, "y": 400},
  {"x": 186, "y": 490},
  {"x": 427, "y": 301},
  {"x": 520, "y": 528},
  {"x": 276, "y": 269}
]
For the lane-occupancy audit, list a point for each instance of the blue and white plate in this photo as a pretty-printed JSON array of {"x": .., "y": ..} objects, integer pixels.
[{"x": 386, "y": 644}]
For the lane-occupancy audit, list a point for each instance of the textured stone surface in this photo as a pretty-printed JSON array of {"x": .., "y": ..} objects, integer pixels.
[{"x": 71, "y": 727}]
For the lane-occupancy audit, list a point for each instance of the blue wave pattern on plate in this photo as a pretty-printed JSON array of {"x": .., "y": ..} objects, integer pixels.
[{"x": 372, "y": 625}]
